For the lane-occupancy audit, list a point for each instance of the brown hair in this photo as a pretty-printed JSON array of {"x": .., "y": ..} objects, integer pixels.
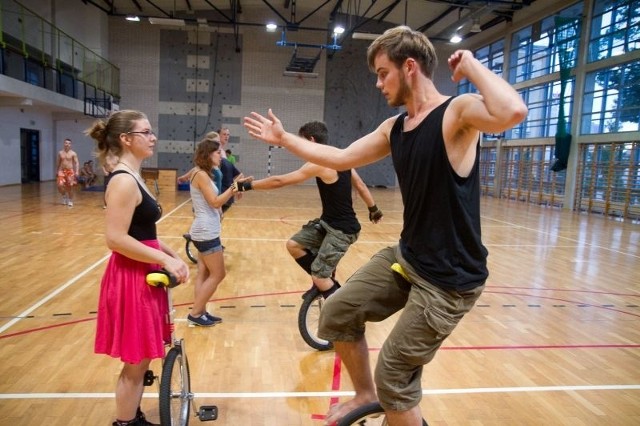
[
  {"x": 317, "y": 130},
  {"x": 401, "y": 43},
  {"x": 107, "y": 132},
  {"x": 202, "y": 156}
]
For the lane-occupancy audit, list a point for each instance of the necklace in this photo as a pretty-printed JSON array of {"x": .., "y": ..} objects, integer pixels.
[
  {"x": 141, "y": 181},
  {"x": 135, "y": 174}
]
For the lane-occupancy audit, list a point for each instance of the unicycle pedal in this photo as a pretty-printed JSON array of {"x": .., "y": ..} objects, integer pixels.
[
  {"x": 149, "y": 378},
  {"x": 207, "y": 413}
]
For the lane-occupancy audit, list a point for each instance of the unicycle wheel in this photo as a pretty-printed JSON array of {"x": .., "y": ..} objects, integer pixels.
[
  {"x": 190, "y": 249},
  {"x": 367, "y": 415},
  {"x": 309, "y": 320},
  {"x": 175, "y": 389}
]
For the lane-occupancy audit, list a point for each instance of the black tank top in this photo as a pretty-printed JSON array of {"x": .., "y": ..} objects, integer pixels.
[
  {"x": 337, "y": 204},
  {"x": 143, "y": 222},
  {"x": 441, "y": 236}
]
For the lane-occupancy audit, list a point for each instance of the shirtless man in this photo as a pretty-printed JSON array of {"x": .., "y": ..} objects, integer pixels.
[{"x": 68, "y": 166}]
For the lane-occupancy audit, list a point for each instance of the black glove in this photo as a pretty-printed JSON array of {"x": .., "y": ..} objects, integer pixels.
[
  {"x": 375, "y": 214},
  {"x": 243, "y": 186}
]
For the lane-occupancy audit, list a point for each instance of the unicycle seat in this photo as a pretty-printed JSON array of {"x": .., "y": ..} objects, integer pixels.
[{"x": 162, "y": 278}]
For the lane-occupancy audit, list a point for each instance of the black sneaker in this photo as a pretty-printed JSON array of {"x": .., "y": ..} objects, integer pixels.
[
  {"x": 141, "y": 420},
  {"x": 308, "y": 292},
  {"x": 215, "y": 319},
  {"x": 201, "y": 321}
]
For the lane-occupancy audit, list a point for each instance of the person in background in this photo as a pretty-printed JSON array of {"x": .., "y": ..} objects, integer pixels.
[
  {"x": 322, "y": 242},
  {"x": 110, "y": 162},
  {"x": 229, "y": 174},
  {"x": 435, "y": 148},
  {"x": 131, "y": 321},
  {"x": 231, "y": 157},
  {"x": 67, "y": 172},
  {"x": 217, "y": 174},
  {"x": 205, "y": 230},
  {"x": 87, "y": 174}
]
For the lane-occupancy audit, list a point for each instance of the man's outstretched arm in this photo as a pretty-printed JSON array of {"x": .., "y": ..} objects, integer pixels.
[
  {"x": 366, "y": 150},
  {"x": 375, "y": 214}
]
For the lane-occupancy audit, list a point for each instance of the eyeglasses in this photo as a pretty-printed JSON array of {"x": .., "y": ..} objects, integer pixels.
[{"x": 146, "y": 133}]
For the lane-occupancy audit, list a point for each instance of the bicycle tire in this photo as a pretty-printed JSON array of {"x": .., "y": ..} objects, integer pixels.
[
  {"x": 368, "y": 415},
  {"x": 308, "y": 320},
  {"x": 190, "y": 249},
  {"x": 175, "y": 389}
]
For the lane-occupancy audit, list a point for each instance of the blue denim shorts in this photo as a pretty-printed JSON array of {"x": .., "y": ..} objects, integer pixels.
[{"x": 208, "y": 246}]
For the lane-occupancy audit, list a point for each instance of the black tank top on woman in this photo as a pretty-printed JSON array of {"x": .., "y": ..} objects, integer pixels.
[
  {"x": 143, "y": 222},
  {"x": 337, "y": 204},
  {"x": 441, "y": 236}
]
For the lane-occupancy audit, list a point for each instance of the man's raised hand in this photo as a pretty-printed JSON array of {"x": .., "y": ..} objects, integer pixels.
[{"x": 268, "y": 130}]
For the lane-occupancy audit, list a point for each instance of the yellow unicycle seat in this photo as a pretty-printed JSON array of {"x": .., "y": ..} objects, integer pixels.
[
  {"x": 161, "y": 279},
  {"x": 396, "y": 267}
]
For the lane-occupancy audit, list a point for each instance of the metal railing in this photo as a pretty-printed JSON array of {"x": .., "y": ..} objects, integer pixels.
[{"x": 37, "y": 52}]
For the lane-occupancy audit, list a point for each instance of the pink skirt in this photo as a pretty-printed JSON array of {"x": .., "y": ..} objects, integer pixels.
[{"x": 132, "y": 315}]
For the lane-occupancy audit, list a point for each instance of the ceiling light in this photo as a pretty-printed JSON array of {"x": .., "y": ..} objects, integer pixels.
[
  {"x": 338, "y": 30},
  {"x": 364, "y": 36},
  {"x": 132, "y": 18},
  {"x": 455, "y": 38},
  {"x": 271, "y": 27},
  {"x": 475, "y": 28},
  {"x": 167, "y": 21}
]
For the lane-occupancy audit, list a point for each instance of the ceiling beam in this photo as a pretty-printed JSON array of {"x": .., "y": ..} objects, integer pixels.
[
  {"x": 168, "y": 15},
  {"x": 137, "y": 5}
]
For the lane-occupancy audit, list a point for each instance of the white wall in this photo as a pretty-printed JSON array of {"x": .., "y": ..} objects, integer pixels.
[{"x": 11, "y": 121}]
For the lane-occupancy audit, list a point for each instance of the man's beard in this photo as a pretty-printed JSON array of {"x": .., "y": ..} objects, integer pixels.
[{"x": 402, "y": 94}]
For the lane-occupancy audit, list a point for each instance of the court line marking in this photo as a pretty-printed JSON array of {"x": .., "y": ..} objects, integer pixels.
[
  {"x": 327, "y": 394},
  {"x": 66, "y": 285},
  {"x": 560, "y": 237}
]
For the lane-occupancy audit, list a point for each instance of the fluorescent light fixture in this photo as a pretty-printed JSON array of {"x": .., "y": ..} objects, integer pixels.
[
  {"x": 167, "y": 22},
  {"x": 133, "y": 18},
  {"x": 300, "y": 74},
  {"x": 364, "y": 36},
  {"x": 271, "y": 27},
  {"x": 338, "y": 30},
  {"x": 455, "y": 39}
]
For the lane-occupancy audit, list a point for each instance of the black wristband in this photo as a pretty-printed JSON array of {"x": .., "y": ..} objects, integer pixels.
[
  {"x": 373, "y": 208},
  {"x": 244, "y": 186}
]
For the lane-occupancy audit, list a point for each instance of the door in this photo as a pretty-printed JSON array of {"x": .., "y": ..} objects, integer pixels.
[{"x": 30, "y": 155}]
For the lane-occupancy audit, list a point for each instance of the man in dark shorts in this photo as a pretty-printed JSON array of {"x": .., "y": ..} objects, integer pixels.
[{"x": 321, "y": 243}]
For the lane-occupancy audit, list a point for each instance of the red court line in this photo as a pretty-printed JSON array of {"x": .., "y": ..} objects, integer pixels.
[
  {"x": 49, "y": 327},
  {"x": 335, "y": 386}
]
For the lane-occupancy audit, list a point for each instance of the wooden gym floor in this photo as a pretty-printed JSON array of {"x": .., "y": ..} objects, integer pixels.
[{"x": 554, "y": 340}]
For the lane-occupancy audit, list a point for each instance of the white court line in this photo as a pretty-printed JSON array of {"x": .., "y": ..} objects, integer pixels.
[
  {"x": 560, "y": 237},
  {"x": 332, "y": 393},
  {"x": 66, "y": 285}
]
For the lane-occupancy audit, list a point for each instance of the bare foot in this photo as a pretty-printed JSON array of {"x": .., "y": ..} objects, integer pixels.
[{"x": 338, "y": 411}]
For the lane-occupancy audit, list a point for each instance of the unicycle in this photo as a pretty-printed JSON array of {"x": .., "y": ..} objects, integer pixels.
[
  {"x": 189, "y": 248},
  {"x": 309, "y": 319},
  {"x": 175, "y": 396},
  {"x": 368, "y": 415}
]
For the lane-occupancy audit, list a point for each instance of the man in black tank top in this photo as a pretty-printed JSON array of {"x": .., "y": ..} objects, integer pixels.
[
  {"x": 321, "y": 243},
  {"x": 435, "y": 151}
]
